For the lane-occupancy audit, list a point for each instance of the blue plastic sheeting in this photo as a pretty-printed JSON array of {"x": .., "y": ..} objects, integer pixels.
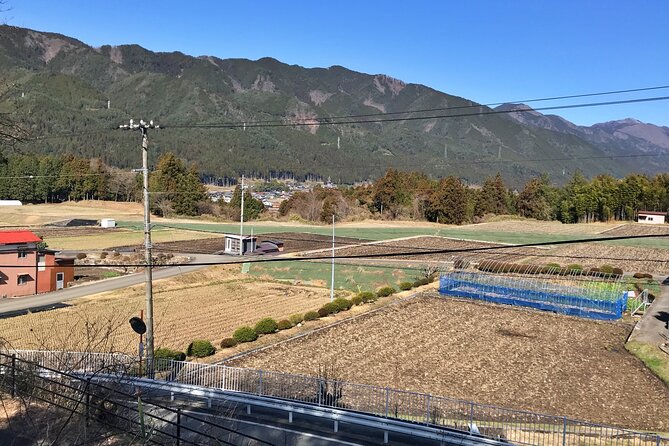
[{"x": 454, "y": 285}]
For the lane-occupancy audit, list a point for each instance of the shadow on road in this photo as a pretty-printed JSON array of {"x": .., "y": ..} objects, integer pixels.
[
  {"x": 663, "y": 316},
  {"x": 33, "y": 310}
]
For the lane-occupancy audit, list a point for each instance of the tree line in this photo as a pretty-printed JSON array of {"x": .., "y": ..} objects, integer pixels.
[{"x": 413, "y": 195}]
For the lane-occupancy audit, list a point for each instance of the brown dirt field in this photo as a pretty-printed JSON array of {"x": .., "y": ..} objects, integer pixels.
[
  {"x": 436, "y": 243},
  {"x": 208, "y": 304},
  {"x": 293, "y": 242},
  {"x": 542, "y": 227},
  {"x": 634, "y": 259},
  {"x": 638, "y": 229},
  {"x": 40, "y": 214},
  {"x": 490, "y": 354}
]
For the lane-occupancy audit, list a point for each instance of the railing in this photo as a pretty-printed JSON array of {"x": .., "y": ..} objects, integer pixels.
[
  {"x": 639, "y": 302},
  {"x": 517, "y": 426}
]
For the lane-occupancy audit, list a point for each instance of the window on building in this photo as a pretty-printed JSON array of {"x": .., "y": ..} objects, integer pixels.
[
  {"x": 22, "y": 279},
  {"x": 41, "y": 262},
  {"x": 23, "y": 254}
]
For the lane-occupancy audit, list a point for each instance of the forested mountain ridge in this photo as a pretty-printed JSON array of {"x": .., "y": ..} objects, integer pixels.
[{"x": 58, "y": 85}]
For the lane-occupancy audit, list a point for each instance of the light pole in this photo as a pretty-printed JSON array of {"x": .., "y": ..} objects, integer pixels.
[
  {"x": 143, "y": 128},
  {"x": 333, "y": 260}
]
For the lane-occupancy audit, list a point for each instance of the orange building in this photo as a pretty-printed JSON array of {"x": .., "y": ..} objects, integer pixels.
[{"x": 25, "y": 269}]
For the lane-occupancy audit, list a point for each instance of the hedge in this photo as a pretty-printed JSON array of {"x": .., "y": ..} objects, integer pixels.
[
  {"x": 367, "y": 296},
  {"x": 200, "y": 348},
  {"x": 266, "y": 326},
  {"x": 406, "y": 286},
  {"x": 385, "y": 291},
  {"x": 245, "y": 334},
  {"x": 341, "y": 304},
  {"x": 640, "y": 275},
  {"x": 228, "y": 342},
  {"x": 166, "y": 353},
  {"x": 311, "y": 316},
  {"x": 296, "y": 319},
  {"x": 356, "y": 300},
  {"x": 284, "y": 324}
]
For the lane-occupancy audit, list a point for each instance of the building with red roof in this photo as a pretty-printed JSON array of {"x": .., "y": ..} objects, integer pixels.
[{"x": 26, "y": 268}]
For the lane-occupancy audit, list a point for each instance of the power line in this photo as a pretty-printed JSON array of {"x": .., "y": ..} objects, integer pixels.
[
  {"x": 383, "y": 255},
  {"x": 311, "y": 122},
  {"x": 460, "y": 107}
]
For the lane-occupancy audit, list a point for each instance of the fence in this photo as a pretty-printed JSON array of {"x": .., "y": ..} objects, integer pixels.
[
  {"x": 573, "y": 295},
  {"x": 84, "y": 411},
  {"x": 517, "y": 426}
]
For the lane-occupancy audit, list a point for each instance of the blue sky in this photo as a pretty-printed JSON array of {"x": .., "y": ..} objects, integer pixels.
[{"x": 485, "y": 50}]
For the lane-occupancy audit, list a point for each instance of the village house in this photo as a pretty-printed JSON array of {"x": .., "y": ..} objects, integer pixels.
[
  {"x": 649, "y": 217},
  {"x": 26, "y": 269}
]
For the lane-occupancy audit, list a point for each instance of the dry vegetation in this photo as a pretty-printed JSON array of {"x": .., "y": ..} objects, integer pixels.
[
  {"x": 207, "y": 304},
  {"x": 490, "y": 354},
  {"x": 40, "y": 214}
]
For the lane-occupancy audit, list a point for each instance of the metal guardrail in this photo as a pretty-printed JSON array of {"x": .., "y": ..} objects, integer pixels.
[{"x": 517, "y": 426}]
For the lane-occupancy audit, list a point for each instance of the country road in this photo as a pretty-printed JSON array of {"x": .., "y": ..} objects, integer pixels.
[{"x": 46, "y": 300}]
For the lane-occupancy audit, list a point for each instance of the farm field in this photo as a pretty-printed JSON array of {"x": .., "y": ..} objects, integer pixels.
[
  {"x": 40, "y": 214},
  {"x": 349, "y": 276},
  {"x": 490, "y": 354},
  {"x": 208, "y": 304}
]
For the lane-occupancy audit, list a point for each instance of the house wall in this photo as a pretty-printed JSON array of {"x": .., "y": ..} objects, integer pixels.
[
  {"x": 650, "y": 219},
  {"x": 45, "y": 273}
]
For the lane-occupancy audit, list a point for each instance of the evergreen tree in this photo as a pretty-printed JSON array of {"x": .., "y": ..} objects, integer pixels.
[{"x": 448, "y": 202}]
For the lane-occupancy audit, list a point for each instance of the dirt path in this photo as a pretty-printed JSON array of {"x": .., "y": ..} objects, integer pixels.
[{"x": 653, "y": 328}]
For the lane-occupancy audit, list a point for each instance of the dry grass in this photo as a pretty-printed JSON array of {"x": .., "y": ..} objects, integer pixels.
[
  {"x": 491, "y": 354},
  {"x": 121, "y": 237},
  {"x": 208, "y": 304},
  {"x": 40, "y": 214}
]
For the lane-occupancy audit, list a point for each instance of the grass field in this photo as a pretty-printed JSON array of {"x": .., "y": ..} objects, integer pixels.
[
  {"x": 120, "y": 238},
  {"x": 347, "y": 276},
  {"x": 490, "y": 354},
  {"x": 208, "y": 304}
]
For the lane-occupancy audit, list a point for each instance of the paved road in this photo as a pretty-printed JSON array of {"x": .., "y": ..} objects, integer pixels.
[
  {"x": 653, "y": 328},
  {"x": 48, "y": 300}
]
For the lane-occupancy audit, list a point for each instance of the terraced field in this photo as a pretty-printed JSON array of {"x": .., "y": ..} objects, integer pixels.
[{"x": 491, "y": 354}]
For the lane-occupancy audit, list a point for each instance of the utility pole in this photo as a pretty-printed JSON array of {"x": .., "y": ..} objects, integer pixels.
[
  {"x": 333, "y": 258},
  {"x": 143, "y": 127},
  {"x": 241, "y": 223}
]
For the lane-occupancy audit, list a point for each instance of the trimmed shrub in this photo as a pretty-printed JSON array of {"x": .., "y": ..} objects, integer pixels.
[
  {"x": 245, "y": 334},
  {"x": 461, "y": 264},
  {"x": 424, "y": 281},
  {"x": 284, "y": 324},
  {"x": 356, "y": 300},
  {"x": 385, "y": 291},
  {"x": 266, "y": 326},
  {"x": 200, "y": 348},
  {"x": 606, "y": 269},
  {"x": 367, "y": 296},
  {"x": 228, "y": 342},
  {"x": 81, "y": 256},
  {"x": 552, "y": 268},
  {"x": 167, "y": 353},
  {"x": 104, "y": 254},
  {"x": 575, "y": 268},
  {"x": 341, "y": 304},
  {"x": 296, "y": 319},
  {"x": 323, "y": 312},
  {"x": 406, "y": 286},
  {"x": 618, "y": 272},
  {"x": 311, "y": 316},
  {"x": 640, "y": 275}
]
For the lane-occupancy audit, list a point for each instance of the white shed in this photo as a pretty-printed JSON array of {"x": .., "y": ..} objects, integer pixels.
[
  {"x": 10, "y": 203},
  {"x": 651, "y": 218},
  {"x": 108, "y": 223}
]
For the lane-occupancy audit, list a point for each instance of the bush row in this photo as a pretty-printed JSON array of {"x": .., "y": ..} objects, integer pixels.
[{"x": 495, "y": 266}]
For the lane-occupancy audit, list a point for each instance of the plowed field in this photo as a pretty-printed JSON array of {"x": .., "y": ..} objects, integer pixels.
[{"x": 491, "y": 354}]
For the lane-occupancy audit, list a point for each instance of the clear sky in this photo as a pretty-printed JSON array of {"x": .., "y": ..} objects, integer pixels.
[{"x": 485, "y": 50}]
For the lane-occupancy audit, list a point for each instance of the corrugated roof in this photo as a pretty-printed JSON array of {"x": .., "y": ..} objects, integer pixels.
[{"x": 11, "y": 237}]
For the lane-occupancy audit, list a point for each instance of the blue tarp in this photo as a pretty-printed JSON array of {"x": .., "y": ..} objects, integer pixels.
[{"x": 467, "y": 286}]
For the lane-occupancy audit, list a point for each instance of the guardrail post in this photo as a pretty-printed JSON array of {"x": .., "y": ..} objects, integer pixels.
[
  {"x": 387, "y": 400},
  {"x": 87, "y": 398},
  {"x": 260, "y": 382},
  {"x": 564, "y": 431},
  {"x": 471, "y": 416},
  {"x": 13, "y": 375},
  {"x": 427, "y": 412},
  {"x": 658, "y": 439},
  {"x": 178, "y": 426}
]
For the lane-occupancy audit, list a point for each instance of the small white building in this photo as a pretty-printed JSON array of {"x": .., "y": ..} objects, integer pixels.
[
  {"x": 10, "y": 203},
  {"x": 108, "y": 223},
  {"x": 240, "y": 245},
  {"x": 651, "y": 218}
]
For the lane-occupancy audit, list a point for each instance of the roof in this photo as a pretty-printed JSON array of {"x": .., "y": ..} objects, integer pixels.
[
  {"x": 652, "y": 213},
  {"x": 237, "y": 236},
  {"x": 11, "y": 237}
]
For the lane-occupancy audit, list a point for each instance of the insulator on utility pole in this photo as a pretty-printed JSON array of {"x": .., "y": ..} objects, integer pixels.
[{"x": 143, "y": 127}]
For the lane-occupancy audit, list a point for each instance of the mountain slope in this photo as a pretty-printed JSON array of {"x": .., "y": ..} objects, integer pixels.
[{"x": 61, "y": 85}]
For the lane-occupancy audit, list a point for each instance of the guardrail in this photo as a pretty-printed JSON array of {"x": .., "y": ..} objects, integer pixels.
[{"x": 517, "y": 426}]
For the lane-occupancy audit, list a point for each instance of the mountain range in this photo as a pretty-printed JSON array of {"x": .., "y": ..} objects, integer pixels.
[{"x": 72, "y": 97}]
